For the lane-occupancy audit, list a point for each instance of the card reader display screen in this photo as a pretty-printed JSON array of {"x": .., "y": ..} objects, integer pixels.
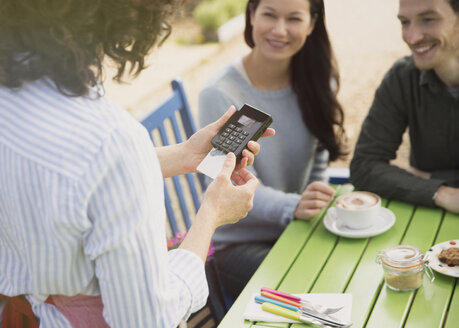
[{"x": 246, "y": 121}]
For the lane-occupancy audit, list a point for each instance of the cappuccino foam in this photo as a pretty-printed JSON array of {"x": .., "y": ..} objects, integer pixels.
[{"x": 357, "y": 200}]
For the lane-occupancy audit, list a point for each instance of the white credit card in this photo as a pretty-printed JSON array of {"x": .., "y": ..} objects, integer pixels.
[{"x": 212, "y": 164}]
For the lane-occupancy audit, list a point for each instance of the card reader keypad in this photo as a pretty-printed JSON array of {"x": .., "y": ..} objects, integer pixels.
[{"x": 231, "y": 138}]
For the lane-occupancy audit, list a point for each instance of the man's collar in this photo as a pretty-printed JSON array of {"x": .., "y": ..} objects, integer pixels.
[{"x": 430, "y": 78}]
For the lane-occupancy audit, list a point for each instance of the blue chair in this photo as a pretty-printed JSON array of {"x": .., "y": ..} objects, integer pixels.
[
  {"x": 175, "y": 112},
  {"x": 170, "y": 123}
]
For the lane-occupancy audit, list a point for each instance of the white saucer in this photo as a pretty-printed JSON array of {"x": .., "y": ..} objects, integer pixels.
[{"x": 381, "y": 223}]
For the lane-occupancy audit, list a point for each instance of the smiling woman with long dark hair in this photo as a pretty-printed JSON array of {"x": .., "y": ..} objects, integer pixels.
[
  {"x": 291, "y": 73},
  {"x": 314, "y": 78}
]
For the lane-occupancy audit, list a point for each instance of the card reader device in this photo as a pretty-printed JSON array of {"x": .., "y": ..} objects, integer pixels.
[{"x": 246, "y": 124}]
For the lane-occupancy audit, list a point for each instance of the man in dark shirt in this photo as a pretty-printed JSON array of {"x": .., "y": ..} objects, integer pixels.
[{"x": 420, "y": 93}]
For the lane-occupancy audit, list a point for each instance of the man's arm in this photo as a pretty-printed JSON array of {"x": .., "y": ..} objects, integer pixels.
[
  {"x": 380, "y": 137},
  {"x": 445, "y": 196},
  {"x": 451, "y": 177}
]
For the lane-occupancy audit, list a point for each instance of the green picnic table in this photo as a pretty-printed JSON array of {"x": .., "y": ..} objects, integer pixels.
[{"x": 307, "y": 258}]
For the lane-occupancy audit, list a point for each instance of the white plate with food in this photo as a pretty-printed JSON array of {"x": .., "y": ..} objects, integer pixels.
[{"x": 444, "y": 258}]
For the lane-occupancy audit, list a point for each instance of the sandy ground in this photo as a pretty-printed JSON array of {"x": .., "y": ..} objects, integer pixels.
[{"x": 365, "y": 35}]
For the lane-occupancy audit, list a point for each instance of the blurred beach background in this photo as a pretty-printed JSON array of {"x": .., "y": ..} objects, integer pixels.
[{"x": 365, "y": 34}]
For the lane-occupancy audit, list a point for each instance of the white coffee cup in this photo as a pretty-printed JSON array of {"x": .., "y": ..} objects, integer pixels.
[{"x": 357, "y": 209}]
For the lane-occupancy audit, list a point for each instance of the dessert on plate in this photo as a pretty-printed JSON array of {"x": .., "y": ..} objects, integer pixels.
[{"x": 449, "y": 256}]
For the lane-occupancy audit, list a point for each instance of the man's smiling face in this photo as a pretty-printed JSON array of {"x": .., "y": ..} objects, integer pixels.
[{"x": 431, "y": 29}]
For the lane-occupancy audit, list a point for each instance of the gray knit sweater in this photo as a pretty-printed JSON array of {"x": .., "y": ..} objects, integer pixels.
[{"x": 286, "y": 164}]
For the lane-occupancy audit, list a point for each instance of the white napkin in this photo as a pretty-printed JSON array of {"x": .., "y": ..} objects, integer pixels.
[{"x": 254, "y": 312}]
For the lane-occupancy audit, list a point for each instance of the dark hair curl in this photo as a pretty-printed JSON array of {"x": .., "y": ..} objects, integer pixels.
[
  {"x": 312, "y": 70},
  {"x": 68, "y": 40}
]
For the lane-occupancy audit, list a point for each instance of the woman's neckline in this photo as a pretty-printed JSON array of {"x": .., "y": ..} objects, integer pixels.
[{"x": 262, "y": 83}]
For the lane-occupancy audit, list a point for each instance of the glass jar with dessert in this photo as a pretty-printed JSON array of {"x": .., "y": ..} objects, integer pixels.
[{"x": 404, "y": 267}]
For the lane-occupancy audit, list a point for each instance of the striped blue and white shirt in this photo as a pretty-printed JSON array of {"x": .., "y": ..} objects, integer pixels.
[{"x": 82, "y": 212}]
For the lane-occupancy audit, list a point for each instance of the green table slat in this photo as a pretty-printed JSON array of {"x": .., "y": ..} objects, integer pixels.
[
  {"x": 340, "y": 266},
  {"x": 367, "y": 278},
  {"x": 449, "y": 230},
  {"x": 314, "y": 257},
  {"x": 453, "y": 315},
  {"x": 392, "y": 307},
  {"x": 271, "y": 270},
  {"x": 432, "y": 301},
  {"x": 309, "y": 263},
  {"x": 423, "y": 228}
]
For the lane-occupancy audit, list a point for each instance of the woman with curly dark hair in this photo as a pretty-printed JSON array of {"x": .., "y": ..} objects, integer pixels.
[
  {"x": 290, "y": 72},
  {"x": 67, "y": 41},
  {"x": 82, "y": 219}
]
